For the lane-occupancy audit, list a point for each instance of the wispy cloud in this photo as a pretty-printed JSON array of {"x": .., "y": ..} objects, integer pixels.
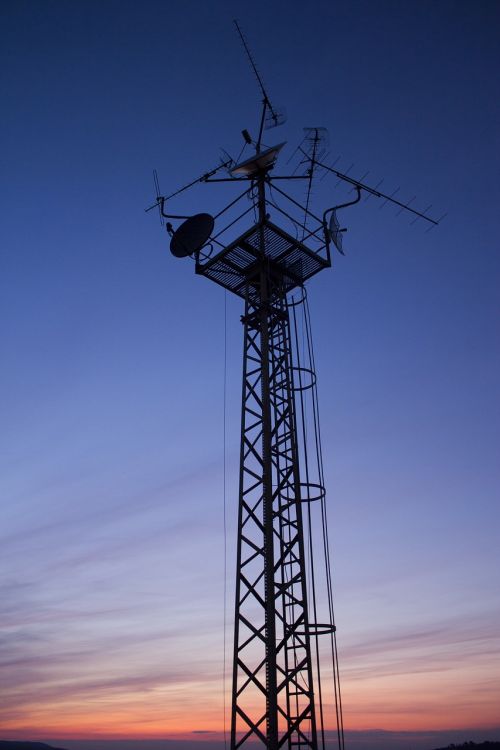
[{"x": 422, "y": 648}]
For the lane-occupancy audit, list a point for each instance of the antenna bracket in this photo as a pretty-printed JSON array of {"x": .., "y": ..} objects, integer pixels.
[{"x": 334, "y": 232}]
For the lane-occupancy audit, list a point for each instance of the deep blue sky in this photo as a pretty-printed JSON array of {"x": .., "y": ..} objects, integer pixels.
[{"x": 112, "y": 355}]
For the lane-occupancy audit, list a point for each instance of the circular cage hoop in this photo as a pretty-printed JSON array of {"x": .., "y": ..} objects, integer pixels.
[
  {"x": 317, "y": 628},
  {"x": 291, "y": 302},
  {"x": 305, "y": 376},
  {"x": 302, "y": 374},
  {"x": 310, "y": 487}
]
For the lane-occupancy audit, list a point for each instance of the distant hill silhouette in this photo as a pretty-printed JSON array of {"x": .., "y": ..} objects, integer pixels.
[
  {"x": 473, "y": 746},
  {"x": 13, "y": 745},
  {"x": 20, "y": 745}
]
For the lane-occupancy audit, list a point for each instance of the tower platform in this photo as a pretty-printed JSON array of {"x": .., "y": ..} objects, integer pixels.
[{"x": 237, "y": 267}]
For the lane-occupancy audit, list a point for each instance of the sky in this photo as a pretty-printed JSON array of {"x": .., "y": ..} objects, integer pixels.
[{"x": 112, "y": 563}]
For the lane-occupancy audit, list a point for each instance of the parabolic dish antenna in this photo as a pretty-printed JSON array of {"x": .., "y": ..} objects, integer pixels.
[
  {"x": 336, "y": 232},
  {"x": 258, "y": 162},
  {"x": 191, "y": 235}
]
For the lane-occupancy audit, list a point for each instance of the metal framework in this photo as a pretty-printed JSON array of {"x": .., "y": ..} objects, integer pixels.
[
  {"x": 272, "y": 670},
  {"x": 273, "y": 699},
  {"x": 277, "y": 689}
]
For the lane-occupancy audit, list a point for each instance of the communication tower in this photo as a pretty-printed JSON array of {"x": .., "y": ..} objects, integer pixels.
[{"x": 282, "y": 695}]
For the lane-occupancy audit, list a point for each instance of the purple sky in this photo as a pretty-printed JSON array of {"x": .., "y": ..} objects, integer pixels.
[{"x": 111, "y": 383}]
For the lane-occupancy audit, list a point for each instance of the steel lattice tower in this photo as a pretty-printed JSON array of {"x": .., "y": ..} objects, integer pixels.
[
  {"x": 277, "y": 685},
  {"x": 273, "y": 694},
  {"x": 272, "y": 654}
]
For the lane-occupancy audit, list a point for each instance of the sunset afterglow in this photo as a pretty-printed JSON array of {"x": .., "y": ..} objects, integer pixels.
[{"x": 120, "y": 364}]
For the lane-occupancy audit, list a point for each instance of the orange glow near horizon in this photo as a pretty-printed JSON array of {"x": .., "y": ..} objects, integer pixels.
[
  {"x": 408, "y": 679},
  {"x": 418, "y": 702}
]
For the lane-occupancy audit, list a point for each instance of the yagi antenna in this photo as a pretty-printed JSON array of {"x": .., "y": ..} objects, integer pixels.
[
  {"x": 271, "y": 117},
  {"x": 357, "y": 184},
  {"x": 161, "y": 200},
  {"x": 317, "y": 145}
]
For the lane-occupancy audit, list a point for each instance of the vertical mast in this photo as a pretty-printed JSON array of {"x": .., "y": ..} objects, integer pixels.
[
  {"x": 267, "y": 478},
  {"x": 273, "y": 696}
]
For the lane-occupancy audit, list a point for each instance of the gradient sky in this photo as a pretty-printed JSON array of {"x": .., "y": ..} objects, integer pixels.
[{"x": 112, "y": 352}]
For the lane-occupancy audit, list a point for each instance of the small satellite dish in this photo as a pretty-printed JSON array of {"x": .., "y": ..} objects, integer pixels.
[
  {"x": 336, "y": 232},
  {"x": 191, "y": 235},
  {"x": 258, "y": 162}
]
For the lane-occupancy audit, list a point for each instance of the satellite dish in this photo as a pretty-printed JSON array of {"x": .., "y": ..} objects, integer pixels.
[
  {"x": 258, "y": 162},
  {"x": 336, "y": 232},
  {"x": 191, "y": 235}
]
